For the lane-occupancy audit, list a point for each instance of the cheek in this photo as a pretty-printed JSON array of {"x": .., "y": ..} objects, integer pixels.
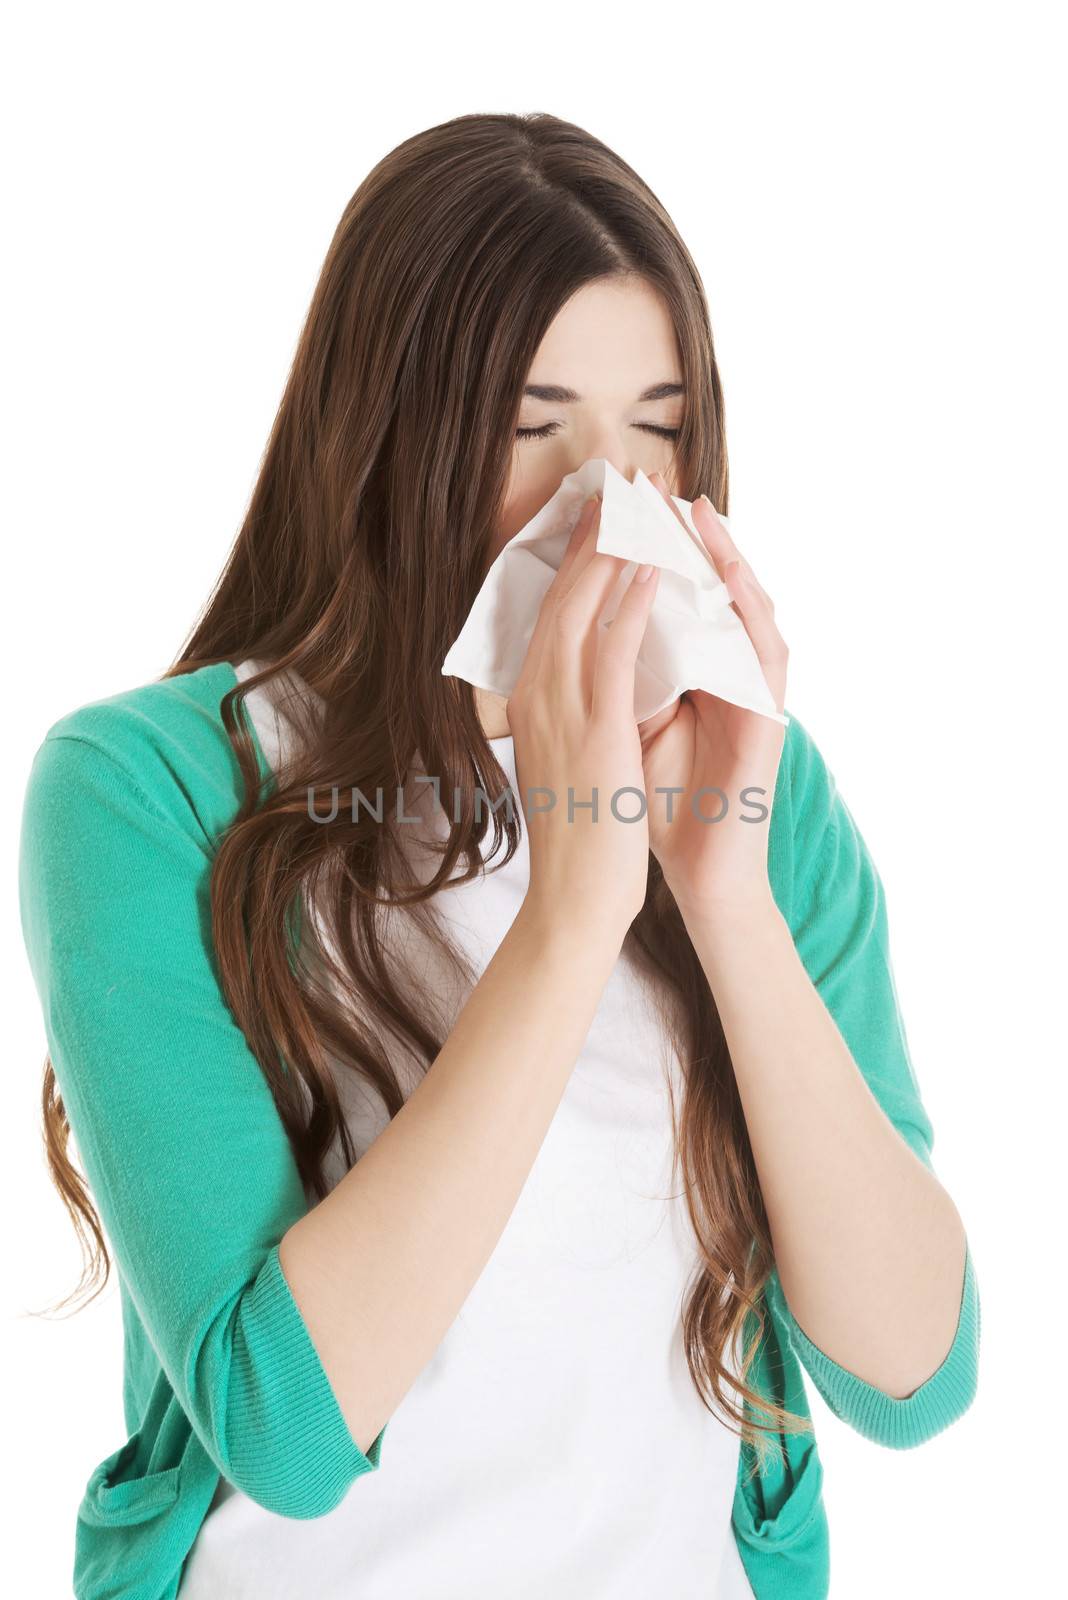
[
  {"x": 508, "y": 525},
  {"x": 528, "y": 490}
]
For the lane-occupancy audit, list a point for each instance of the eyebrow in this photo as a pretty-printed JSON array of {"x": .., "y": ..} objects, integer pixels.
[{"x": 560, "y": 396}]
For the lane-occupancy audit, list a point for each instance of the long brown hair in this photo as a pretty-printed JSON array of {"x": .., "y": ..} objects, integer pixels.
[{"x": 364, "y": 544}]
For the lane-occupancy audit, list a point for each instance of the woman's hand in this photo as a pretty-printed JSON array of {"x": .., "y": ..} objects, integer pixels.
[
  {"x": 704, "y": 743},
  {"x": 572, "y": 720}
]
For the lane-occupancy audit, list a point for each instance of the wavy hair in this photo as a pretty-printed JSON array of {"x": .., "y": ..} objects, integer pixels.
[{"x": 365, "y": 541}]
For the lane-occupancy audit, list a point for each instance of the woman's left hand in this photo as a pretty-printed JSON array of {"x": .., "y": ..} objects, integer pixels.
[{"x": 701, "y": 742}]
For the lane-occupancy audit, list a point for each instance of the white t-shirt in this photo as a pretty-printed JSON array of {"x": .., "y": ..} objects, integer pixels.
[{"x": 555, "y": 1443}]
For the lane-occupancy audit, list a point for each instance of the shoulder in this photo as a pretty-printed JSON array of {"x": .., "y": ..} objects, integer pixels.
[
  {"x": 816, "y": 805},
  {"x": 811, "y": 824},
  {"x": 163, "y": 742},
  {"x": 164, "y": 711},
  {"x": 805, "y": 790},
  {"x": 809, "y": 778}
]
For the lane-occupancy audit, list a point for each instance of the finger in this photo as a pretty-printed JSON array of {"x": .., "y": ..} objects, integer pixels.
[
  {"x": 579, "y": 546},
  {"x": 617, "y": 654},
  {"x": 718, "y": 529},
  {"x": 719, "y": 544},
  {"x": 571, "y": 654},
  {"x": 714, "y": 534},
  {"x": 756, "y": 614}
]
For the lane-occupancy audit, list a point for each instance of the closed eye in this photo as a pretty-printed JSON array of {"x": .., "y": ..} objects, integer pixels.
[{"x": 547, "y": 430}]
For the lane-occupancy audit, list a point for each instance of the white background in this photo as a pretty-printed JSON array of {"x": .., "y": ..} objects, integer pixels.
[{"x": 874, "y": 197}]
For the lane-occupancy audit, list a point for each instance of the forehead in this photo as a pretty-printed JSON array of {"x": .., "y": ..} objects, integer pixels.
[{"x": 613, "y": 336}]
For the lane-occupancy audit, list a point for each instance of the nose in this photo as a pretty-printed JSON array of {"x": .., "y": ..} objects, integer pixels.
[{"x": 608, "y": 447}]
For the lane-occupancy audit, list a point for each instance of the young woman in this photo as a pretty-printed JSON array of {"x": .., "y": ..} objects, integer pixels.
[{"x": 552, "y": 1145}]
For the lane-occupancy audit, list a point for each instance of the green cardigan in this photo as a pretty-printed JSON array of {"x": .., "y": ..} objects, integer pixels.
[{"x": 195, "y": 1181}]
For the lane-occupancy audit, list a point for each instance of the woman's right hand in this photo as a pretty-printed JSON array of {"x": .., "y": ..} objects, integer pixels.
[{"x": 571, "y": 715}]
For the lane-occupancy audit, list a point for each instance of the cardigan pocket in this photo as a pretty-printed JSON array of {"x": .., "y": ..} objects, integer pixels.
[
  {"x": 142, "y": 1507},
  {"x": 780, "y": 1513},
  {"x": 117, "y": 1497}
]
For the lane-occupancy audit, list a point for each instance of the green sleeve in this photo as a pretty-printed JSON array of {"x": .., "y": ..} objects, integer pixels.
[
  {"x": 188, "y": 1160},
  {"x": 838, "y": 920}
]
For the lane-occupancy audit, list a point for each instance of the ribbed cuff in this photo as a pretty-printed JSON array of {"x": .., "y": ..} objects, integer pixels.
[
  {"x": 311, "y": 1459},
  {"x": 896, "y": 1423}
]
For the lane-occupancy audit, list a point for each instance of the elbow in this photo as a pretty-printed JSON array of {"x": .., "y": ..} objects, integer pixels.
[
  {"x": 903, "y": 1423},
  {"x": 900, "y": 1422},
  {"x": 915, "y": 1420},
  {"x": 264, "y": 1404},
  {"x": 297, "y": 1483},
  {"x": 297, "y": 1472},
  {"x": 302, "y": 1502}
]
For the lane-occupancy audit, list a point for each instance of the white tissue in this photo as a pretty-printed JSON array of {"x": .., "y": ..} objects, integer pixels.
[{"x": 693, "y": 638}]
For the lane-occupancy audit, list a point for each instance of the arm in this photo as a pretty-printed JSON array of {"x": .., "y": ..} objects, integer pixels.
[
  {"x": 868, "y": 1245},
  {"x": 185, "y": 1152},
  {"x": 187, "y": 1158},
  {"x": 382, "y": 1265},
  {"x": 873, "y": 1275},
  {"x": 420, "y": 1214},
  {"x": 190, "y": 1167}
]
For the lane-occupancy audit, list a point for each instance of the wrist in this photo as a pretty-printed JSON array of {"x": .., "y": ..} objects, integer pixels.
[
  {"x": 570, "y": 932},
  {"x": 726, "y": 908}
]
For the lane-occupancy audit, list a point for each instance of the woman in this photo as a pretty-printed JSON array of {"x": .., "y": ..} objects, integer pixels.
[{"x": 554, "y": 1154}]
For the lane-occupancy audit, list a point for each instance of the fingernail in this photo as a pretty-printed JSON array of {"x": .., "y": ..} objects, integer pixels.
[{"x": 644, "y": 571}]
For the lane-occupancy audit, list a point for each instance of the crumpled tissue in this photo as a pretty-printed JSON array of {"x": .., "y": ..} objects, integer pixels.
[{"x": 694, "y": 639}]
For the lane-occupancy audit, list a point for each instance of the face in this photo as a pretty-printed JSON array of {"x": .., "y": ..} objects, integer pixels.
[{"x": 608, "y": 349}]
